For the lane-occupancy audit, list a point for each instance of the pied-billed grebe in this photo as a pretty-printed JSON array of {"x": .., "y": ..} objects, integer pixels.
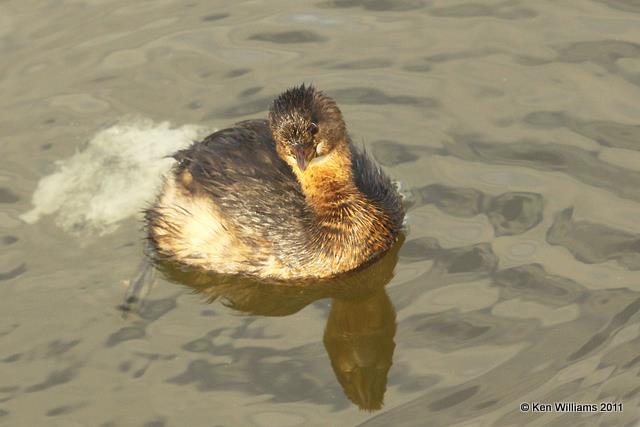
[{"x": 286, "y": 198}]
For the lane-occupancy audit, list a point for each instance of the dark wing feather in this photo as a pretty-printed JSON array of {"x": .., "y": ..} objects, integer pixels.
[{"x": 239, "y": 169}]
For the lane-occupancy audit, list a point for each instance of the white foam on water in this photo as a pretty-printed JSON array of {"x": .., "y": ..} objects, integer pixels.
[{"x": 112, "y": 178}]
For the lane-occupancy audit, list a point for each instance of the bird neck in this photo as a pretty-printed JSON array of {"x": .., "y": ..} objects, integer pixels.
[
  {"x": 348, "y": 228},
  {"x": 328, "y": 184}
]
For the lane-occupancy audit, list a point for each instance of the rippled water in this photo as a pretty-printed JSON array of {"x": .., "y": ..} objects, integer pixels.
[{"x": 512, "y": 125}]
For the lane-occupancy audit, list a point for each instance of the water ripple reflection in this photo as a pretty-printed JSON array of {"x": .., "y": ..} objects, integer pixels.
[
  {"x": 358, "y": 337},
  {"x": 512, "y": 125}
]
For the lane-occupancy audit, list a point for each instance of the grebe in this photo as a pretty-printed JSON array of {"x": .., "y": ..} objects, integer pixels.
[{"x": 285, "y": 198}]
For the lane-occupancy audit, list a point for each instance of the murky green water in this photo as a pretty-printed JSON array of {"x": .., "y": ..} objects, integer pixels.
[{"x": 513, "y": 125}]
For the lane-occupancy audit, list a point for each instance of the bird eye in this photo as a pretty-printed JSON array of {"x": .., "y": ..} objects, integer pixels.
[{"x": 313, "y": 128}]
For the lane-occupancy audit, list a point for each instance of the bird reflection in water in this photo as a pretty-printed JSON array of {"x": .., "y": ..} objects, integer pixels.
[{"x": 360, "y": 329}]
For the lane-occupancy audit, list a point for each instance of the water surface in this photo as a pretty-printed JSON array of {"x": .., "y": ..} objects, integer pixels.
[{"x": 512, "y": 125}]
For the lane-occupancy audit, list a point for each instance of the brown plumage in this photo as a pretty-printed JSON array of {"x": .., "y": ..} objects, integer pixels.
[{"x": 287, "y": 198}]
